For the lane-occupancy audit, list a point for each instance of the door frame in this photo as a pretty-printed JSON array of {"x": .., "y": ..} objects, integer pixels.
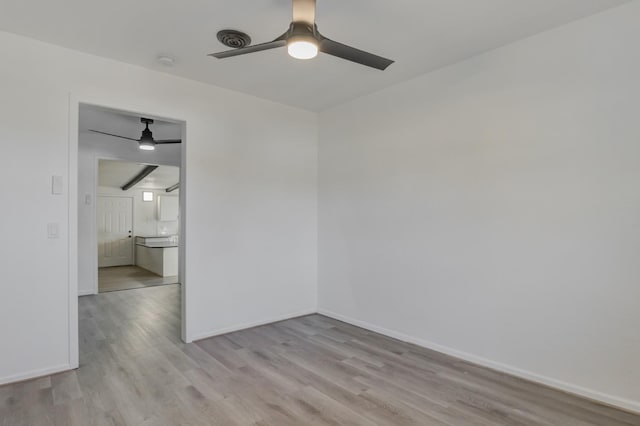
[{"x": 151, "y": 110}]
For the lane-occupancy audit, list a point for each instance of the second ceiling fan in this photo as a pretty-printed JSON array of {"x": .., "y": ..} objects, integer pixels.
[
  {"x": 146, "y": 142},
  {"x": 304, "y": 41}
]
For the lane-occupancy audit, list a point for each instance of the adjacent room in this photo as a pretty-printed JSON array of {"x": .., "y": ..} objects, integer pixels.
[
  {"x": 301, "y": 212},
  {"x": 137, "y": 208}
]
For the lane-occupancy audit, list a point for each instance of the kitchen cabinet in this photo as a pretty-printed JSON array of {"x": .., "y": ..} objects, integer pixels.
[
  {"x": 158, "y": 255},
  {"x": 168, "y": 208}
]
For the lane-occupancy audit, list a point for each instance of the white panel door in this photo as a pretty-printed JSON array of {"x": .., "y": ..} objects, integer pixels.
[{"x": 115, "y": 238}]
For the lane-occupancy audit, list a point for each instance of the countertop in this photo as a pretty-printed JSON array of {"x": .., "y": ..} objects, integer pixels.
[{"x": 157, "y": 245}]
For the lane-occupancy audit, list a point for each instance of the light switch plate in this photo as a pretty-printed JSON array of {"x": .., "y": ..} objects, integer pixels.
[
  {"x": 53, "y": 231},
  {"x": 87, "y": 199},
  {"x": 56, "y": 185}
]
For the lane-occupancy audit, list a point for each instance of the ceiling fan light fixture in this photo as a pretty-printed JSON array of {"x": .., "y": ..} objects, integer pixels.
[
  {"x": 302, "y": 47},
  {"x": 147, "y": 146}
]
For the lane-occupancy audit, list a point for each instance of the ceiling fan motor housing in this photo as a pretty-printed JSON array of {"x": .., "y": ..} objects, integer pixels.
[
  {"x": 146, "y": 132},
  {"x": 302, "y": 29}
]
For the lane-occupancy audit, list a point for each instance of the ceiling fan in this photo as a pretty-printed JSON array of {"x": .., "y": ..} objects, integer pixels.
[
  {"x": 303, "y": 41},
  {"x": 146, "y": 141}
]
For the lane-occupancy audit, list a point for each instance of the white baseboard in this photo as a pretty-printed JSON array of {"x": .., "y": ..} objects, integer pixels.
[
  {"x": 239, "y": 327},
  {"x": 86, "y": 292},
  {"x": 34, "y": 374},
  {"x": 625, "y": 404}
]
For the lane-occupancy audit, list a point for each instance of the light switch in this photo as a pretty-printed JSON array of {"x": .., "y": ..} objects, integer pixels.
[
  {"x": 56, "y": 185},
  {"x": 87, "y": 199},
  {"x": 53, "y": 231}
]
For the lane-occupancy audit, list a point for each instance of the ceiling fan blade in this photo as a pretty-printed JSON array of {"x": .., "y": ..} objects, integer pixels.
[
  {"x": 250, "y": 49},
  {"x": 111, "y": 134},
  {"x": 352, "y": 54},
  {"x": 168, "y": 141},
  {"x": 304, "y": 11}
]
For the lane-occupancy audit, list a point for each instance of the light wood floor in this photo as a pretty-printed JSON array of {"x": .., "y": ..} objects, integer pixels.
[
  {"x": 129, "y": 277},
  {"x": 307, "y": 371}
]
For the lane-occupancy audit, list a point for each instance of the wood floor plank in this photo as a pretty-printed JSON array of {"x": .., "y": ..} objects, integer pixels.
[
  {"x": 313, "y": 370},
  {"x": 116, "y": 278},
  {"x": 65, "y": 387}
]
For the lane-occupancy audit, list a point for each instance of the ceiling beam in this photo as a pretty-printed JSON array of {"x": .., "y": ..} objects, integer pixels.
[
  {"x": 173, "y": 188},
  {"x": 137, "y": 178}
]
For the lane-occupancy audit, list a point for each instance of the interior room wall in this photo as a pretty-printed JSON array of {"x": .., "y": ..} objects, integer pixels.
[
  {"x": 251, "y": 168},
  {"x": 491, "y": 209}
]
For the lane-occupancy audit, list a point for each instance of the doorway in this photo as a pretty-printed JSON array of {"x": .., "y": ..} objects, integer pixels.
[
  {"x": 138, "y": 225},
  {"x": 87, "y": 149}
]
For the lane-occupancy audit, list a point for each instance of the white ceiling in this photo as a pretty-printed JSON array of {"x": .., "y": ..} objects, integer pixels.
[
  {"x": 114, "y": 174},
  {"x": 421, "y": 35}
]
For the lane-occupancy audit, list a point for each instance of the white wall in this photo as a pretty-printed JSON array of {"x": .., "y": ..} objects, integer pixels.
[
  {"x": 250, "y": 170},
  {"x": 492, "y": 209}
]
